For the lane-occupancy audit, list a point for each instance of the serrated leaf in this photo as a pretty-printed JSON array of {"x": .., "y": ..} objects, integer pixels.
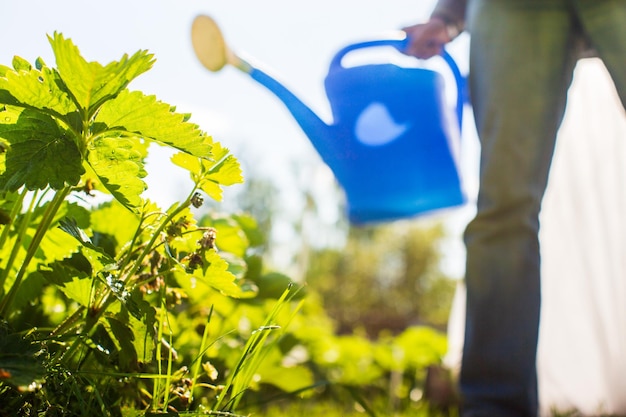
[
  {"x": 91, "y": 83},
  {"x": 20, "y": 64},
  {"x": 122, "y": 229},
  {"x": 4, "y": 69},
  {"x": 78, "y": 289},
  {"x": 222, "y": 170},
  {"x": 214, "y": 273},
  {"x": 149, "y": 118},
  {"x": 55, "y": 245},
  {"x": 41, "y": 154},
  {"x": 124, "y": 338},
  {"x": 21, "y": 125},
  {"x": 40, "y": 89},
  {"x": 98, "y": 259},
  {"x": 138, "y": 332},
  {"x": 190, "y": 163},
  {"x": 76, "y": 285},
  {"x": 20, "y": 362},
  {"x": 225, "y": 170},
  {"x": 69, "y": 226},
  {"x": 118, "y": 163},
  {"x": 39, "y": 63}
]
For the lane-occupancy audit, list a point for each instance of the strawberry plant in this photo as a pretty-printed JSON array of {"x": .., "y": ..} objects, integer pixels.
[{"x": 93, "y": 299}]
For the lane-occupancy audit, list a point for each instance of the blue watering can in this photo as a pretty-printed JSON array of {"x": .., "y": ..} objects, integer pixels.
[{"x": 393, "y": 145}]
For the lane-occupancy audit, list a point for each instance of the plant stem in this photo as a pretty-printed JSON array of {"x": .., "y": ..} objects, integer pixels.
[
  {"x": 17, "y": 207},
  {"x": 68, "y": 322},
  {"x": 20, "y": 235},
  {"x": 155, "y": 235},
  {"x": 125, "y": 255},
  {"x": 201, "y": 352},
  {"x": 43, "y": 227},
  {"x": 107, "y": 298},
  {"x": 157, "y": 383},
  {"x": 170, "y": 358}
]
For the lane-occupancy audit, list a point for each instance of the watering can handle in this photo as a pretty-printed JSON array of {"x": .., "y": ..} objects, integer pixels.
[{"x": 400, "y": 42}]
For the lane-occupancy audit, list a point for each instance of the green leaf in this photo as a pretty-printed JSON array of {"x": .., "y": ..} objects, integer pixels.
[
  {"x": 39, "y": 89},
  {"x": 288, "y": 379},
  {"x": 124, "y": 338},
  {"x": 91, "y": 83},
  {"x": 190, "y": 163},
  {"x": 272, "y": 286},
  {"x": 230, "y": 237},
  {"x": 41, "y": 153},
  {"x": 210, "y": 175},
  {"x": 20, "y": 360},
  {"x": 122, "y": 229},
  {"x": 250, "y": 227},
  {"x": 149, "y": 118},
  {"x": 69, "y": 226},
  {"x": 20, "y": 64},
  {"x": 29, "y": 291},
  {"x": 143, "y": 341},
  {"x": 7, "y": 205},
  {"x": 55, "y": 245},
  {"x": 214, "y": 273},
  {"x": 226, "y": 169},
  {"x": 98, "y": 259},
  {"x": 118, "y": 163},
  {"x": 76, "y": 285},
  {"x": 135, "y": 333},
  {"x": 4, "y": 69}
]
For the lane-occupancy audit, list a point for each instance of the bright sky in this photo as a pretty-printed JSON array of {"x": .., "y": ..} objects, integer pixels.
[{"x": 294, "y": 40}]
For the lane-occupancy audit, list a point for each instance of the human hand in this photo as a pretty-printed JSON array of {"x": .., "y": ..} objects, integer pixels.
[{"x": 427, "y": 39}]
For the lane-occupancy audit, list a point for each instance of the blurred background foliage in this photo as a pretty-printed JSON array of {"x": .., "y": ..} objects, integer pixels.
[{"x": 365, "y": 335}]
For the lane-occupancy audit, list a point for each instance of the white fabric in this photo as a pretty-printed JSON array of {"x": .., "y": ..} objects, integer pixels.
[{"x": 582, "y": 346}]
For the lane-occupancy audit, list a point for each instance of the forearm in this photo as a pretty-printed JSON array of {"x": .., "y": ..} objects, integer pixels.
[{"x": 451, "y": 11}]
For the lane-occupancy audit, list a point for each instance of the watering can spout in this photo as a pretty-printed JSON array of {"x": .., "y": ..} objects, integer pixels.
[
  {"x": 213, "y": 52},
  {"x": 318, "y": 132}
]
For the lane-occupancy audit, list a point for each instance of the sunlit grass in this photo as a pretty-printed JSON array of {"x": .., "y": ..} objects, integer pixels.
[{"x": 336, "y": 409}]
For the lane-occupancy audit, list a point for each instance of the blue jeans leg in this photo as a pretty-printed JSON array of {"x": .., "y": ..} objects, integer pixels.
[
  {"x": 523, "y": 53},
  {"x": 604, "y": 22}
]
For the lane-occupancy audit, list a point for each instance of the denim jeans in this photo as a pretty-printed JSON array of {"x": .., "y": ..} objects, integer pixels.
[{"x": 523, "y": 53}]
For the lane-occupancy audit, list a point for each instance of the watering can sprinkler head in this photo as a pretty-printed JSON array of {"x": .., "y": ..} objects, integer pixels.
[{"x": 211, "y": 48}]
